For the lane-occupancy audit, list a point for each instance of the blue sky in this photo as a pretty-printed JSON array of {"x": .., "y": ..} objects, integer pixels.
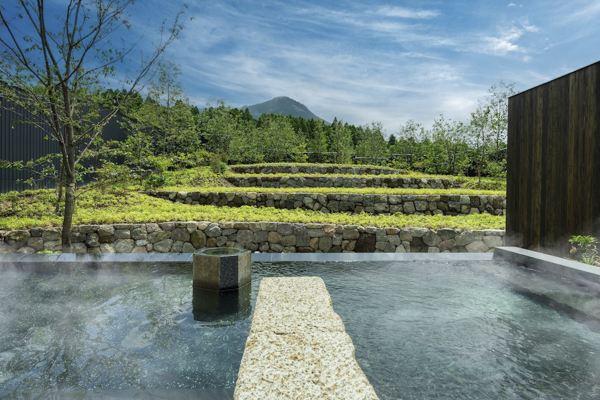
[{"x": 387, "y": 61}]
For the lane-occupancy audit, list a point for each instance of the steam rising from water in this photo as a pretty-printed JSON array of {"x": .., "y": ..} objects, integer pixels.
[{"x": 100, "y": 329}]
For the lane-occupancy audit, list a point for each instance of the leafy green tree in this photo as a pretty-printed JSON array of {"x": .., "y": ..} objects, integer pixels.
[
  {"x": 372, "y": 148},
  {"x": 480, "y": 131},
  {"x": 317, "y": 144},
  {"x": 497, "y": 102},
  {"x": 409, "y": 149},
  {"x": 246, "y": 146},
  {"x": 55, "y": 73},
  {"x": 126, "y": 102},
  {"x": 340, "y": 142},
  {"x": 447, "y": 152},
  {"x": 278, "y": 140},
  {"x": 218, "y": 126},
  {"x": 166, "y": 114},
  {"x": 392, "y": 141}
]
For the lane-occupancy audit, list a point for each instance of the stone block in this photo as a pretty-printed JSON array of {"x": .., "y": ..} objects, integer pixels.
[
  {"x": 51, "y": 234},
  {"x": 163, "y": 246},
  {"x": 198, "y": 239},
  {"x": 431, "y": 238},
  {"x": 289, "y": 240},
  {"x": 325, "y": 244},
  {"x": 350, "y": 232},
  {"x": 464, "y": 238},
  {"x": 477, "y": 247},
  {"x": 107, "y": 230},
  {"x": 158, "y": 236},
  {"x": 107, "y": 248},
  {"x": 493, "y": 241},
  {"x": 124, "y": 245},
  {"x": 36, "y": 243},
  {"x": 213, "y": 230},
  {"x": 122, "y": 234}
]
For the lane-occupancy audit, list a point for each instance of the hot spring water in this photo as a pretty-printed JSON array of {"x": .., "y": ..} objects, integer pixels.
[{"x": 421, "y": 330}]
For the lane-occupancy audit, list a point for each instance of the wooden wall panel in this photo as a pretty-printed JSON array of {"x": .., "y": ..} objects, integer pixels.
[{"x": 553, "y": 174}]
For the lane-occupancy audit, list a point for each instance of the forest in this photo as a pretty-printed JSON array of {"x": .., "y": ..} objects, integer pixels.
[{"x": 165, "y": 130}]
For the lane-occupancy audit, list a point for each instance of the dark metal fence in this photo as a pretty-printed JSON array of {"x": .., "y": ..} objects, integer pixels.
[{"x": 25, "y": 141}]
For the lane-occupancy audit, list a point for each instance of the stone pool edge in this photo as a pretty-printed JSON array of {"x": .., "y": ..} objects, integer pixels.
[
  {"x": 20, "y": 258},
  {"x": 546, "y": 263}
]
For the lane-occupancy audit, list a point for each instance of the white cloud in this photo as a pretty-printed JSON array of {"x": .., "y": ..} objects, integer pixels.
[
  {"x": 583, "y": 13},
  {"x": 506, "y": 41},
  {"x": 401, "y": 12}
]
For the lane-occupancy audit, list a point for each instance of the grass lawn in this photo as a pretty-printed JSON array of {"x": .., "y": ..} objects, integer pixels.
[{"x": 123, "y": 204}]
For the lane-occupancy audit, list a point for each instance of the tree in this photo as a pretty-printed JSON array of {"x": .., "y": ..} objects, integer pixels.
[
  {"x": 166, "y": 116},
  {"x": 317, "y": 144},
  {"x": 409, "y": 147},
  {"x": 278, "y": 141},
  {"x": 372, "y": 148},
  {"x": 218, "y": 126},
  {"x": 340, "y": 142},
  {"x": 497, "y": 102},
  {"x": 489, "y": 126},
  {"x": 392, "y": 141},
  {"x": 56, "y": 73},
  {"x": 480, "y": 136}
]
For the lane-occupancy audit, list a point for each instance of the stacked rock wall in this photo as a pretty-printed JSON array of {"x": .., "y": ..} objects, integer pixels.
[
  {"x": 272, "y": 237},
  {"x": 343, "y": 202},
  {"x": 339, "y": 181},
  {"x": 312, "y": 169}
]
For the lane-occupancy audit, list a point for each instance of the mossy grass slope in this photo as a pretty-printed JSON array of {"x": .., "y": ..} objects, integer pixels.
[
  {"x": 124, "y": 204},
  {"x": 36, "y": 209},
  {"x": 388, "y": 191}
]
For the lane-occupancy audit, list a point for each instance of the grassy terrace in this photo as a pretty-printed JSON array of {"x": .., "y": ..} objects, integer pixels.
[
  {"x": 125, "y": 205},
  {"x": 337, "y": 190},
  {"x": 464, "y": 181}
]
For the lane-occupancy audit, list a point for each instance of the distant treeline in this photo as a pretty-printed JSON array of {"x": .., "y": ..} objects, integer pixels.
[{"x": 165, "y": 124}]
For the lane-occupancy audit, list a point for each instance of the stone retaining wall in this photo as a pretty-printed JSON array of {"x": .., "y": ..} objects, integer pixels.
[
  {"x": 343, "y": 202},
  {"x": 272, "y": 237},
  {"x": 312, "y": 169},
  {"x": 339, "y": 181}
]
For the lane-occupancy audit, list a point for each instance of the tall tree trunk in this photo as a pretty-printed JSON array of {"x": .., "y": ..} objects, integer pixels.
[
  {"x": 69, "y": 210},
  {"x": 60, "y": 186},
  {"x": 70, "y": 180}
]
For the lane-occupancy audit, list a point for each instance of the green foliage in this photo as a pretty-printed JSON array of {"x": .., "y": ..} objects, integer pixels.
[
  {"x": 58, "y": 70},
  {"x": 370, "y": 190},
  {"x": 410, "y": 146},
  {"x": 155, "y": 181},
  {"x": 193, "y": 178},
  {"x": 39, "y": 170},
  {"x": 372, "y": 148},
  {"x": 584, "y": 249},
  {"x": 217, "y": 166},
  {"x": 278, "y": 140},
  {"x": 119, "y": 206},
  {"x": 219, "y": 125},
  {"x": 340, "y": 142}
]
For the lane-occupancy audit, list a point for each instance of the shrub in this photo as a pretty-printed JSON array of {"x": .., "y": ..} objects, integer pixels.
[
  {"x": 584, "y": 249},
  {"x": 217, "y": 164},
  {"x": 155, "y": 181}
]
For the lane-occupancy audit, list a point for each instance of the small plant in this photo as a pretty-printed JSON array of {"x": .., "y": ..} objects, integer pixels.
[
  {"x": 155, "y": 181},
  {"x": 584, "y": 249},
  {"x": 217, "y": 164}
]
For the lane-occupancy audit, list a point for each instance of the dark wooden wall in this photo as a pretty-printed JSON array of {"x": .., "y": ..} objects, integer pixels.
[
  {"x": 24, "y": 141},
  {"x": 553, "y": 188}
]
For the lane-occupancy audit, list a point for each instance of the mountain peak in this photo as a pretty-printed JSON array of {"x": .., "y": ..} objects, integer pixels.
[{"x": 281, "y": 105}]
